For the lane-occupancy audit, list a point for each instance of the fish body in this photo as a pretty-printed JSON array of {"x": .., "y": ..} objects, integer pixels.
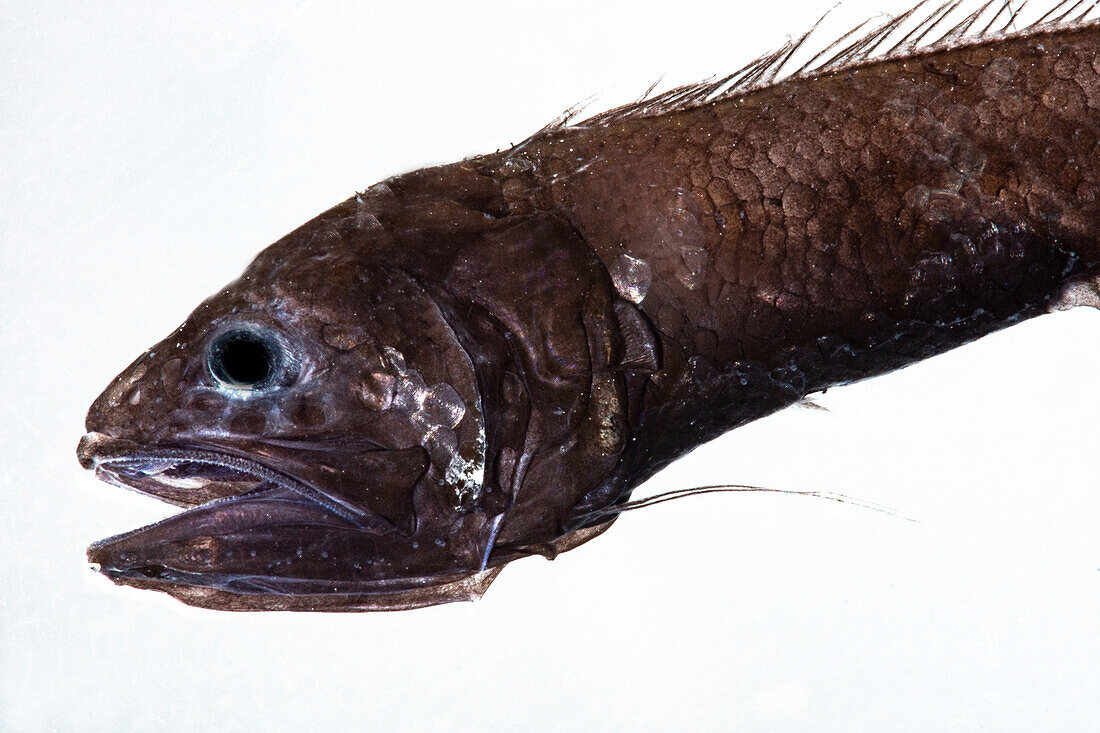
[{"x": 473, "y": 363}]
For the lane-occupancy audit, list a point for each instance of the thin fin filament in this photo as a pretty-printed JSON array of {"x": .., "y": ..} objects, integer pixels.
[{"x": 736, "y": 489}]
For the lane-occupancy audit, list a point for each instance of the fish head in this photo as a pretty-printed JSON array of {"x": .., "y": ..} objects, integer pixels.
[
  {"x": 324, "y": 422},
  {"x": 388, "y": 406}
]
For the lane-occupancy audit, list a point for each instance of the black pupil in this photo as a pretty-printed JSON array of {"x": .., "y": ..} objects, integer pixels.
[{"x": 242, "y": 359}]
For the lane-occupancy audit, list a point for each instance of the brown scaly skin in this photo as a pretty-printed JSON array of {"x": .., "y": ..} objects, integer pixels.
[
  {"x": 826, "y": 230},
  {"x": 598, "y": 301}
]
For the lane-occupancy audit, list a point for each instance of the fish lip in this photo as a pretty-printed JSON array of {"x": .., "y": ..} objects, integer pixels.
[
  {"x": 110, "y": 457},
  {"x": 247, "y": 584},
  {"x": 94, "y": 444},
  {"x": 378, "y": 595},
  {"x": 149, "y": 470}
]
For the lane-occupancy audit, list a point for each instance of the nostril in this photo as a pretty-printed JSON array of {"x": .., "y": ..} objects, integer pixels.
[
  {"x": 171, "y": 374},
  {"x": 120, "y": 388}
]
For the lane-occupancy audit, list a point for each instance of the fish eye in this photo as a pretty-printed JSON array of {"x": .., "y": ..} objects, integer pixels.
[{"x": 246, "y": 359}]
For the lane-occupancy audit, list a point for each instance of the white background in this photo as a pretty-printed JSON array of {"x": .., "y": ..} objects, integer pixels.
[{"x": 148, "y": 152}]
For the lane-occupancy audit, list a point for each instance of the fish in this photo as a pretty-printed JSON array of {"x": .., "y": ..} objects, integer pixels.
[{"x": 474, "y": 363}]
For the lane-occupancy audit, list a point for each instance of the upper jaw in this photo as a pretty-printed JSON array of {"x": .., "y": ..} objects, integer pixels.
[
  {"x": 178, "y": 475},
  {"x": 95, "y": 447},
  {"x": 193, "y": 474},
  {"x": 153, "y": 471}
]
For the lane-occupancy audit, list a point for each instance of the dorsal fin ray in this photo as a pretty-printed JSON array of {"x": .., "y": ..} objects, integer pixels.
[{"x": 914, "y": 31}]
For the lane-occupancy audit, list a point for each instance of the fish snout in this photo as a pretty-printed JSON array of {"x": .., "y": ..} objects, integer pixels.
[
  {"x": 138, "y": 399},
  {"x": 95, "y": 447}
]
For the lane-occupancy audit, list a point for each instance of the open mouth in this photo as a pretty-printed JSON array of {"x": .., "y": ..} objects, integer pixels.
[{"x": 255, "y": 538}]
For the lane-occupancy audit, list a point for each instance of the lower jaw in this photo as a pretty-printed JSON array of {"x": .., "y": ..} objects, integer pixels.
[{"x": 307, "y": 595}]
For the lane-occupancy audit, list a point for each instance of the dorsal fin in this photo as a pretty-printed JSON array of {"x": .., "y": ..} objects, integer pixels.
[{"x": 930, "y": 25}]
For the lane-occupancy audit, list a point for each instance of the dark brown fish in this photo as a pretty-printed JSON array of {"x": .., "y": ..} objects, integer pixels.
[{"x": 474, "y": 363}]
